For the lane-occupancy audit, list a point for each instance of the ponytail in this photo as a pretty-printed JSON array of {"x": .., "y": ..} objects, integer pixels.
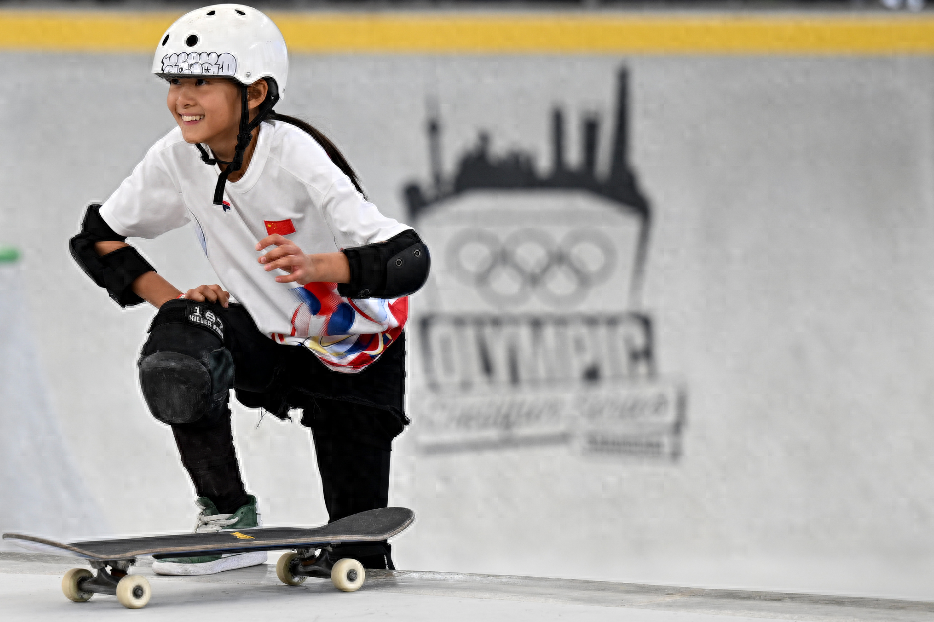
[{"x": 330, "y": 148}]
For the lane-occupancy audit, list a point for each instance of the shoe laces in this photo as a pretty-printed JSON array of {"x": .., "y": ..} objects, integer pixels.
[{"x": 214, "y": 522}]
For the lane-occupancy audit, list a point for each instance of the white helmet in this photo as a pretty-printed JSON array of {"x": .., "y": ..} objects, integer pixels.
[{"x": 224, "y": 40}]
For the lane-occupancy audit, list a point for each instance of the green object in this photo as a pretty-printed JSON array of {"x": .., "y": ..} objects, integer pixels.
[
  {"x": 8, "y": 254},
  {"x": 244, "y": 518}
]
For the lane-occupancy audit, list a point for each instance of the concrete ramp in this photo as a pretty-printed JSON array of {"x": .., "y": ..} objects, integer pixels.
[
  {"x": 41, "y": 487},
  {"x": 29, "y": 589}
]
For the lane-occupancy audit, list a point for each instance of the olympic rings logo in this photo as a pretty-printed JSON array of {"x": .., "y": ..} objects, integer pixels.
[{"x": 530, "y": 262}]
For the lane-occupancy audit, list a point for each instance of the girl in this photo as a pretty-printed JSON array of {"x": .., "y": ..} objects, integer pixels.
[{"x": 319, "y": 276}]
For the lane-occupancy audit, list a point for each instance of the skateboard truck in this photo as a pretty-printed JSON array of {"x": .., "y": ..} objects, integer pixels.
[
  {"x": 346, "y": 574},
  {"x": 308, "y": 563},
  {"x": 133, "y": 591},
  {"x": 105, "y": 582}
]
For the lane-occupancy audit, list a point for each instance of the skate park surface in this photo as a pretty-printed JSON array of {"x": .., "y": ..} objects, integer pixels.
[{"x": 30, "y": 590}]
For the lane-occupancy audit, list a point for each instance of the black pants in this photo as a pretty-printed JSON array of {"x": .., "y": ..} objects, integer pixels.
[{"x": 353, "y": 419}]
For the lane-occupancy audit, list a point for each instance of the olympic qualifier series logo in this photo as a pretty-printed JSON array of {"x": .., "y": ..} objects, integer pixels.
[{"x": 531, "y": 328}]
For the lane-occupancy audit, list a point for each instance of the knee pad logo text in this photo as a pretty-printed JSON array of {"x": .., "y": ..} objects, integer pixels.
[{"x": 207, "y": 319}]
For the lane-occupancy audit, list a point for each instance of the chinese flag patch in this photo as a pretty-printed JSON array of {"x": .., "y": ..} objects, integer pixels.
[{"x": 282, "y": 227}]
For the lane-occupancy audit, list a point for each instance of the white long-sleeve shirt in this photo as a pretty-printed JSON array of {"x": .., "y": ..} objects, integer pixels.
[{"x": 293, "y": 188}]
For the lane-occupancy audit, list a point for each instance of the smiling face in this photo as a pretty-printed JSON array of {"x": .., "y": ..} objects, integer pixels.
[{"x": 206, "y": 109}]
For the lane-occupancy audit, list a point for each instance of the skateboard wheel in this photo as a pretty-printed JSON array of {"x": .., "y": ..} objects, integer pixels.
[
  {"x": 70, "y": 585},
  {"x": 348, "y": 575},
  {"x": 284, "y": 572},
  {"x": 133, "y": 591}
]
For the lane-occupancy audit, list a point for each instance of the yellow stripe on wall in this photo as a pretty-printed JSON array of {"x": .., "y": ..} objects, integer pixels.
[{"x": 501, "y": 33}]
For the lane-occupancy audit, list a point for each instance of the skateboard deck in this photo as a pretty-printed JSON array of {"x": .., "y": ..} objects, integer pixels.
[
  {"x": 369, "y": 526},
  {"x": 113, "y": 558}
]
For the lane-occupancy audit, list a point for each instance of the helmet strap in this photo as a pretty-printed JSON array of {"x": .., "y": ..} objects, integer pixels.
[
  {"x": 205, "y": 157},
  {"x": 244, "y": 136}
]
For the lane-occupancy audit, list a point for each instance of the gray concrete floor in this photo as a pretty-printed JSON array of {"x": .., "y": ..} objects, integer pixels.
[{"x": 30, "y": 590}]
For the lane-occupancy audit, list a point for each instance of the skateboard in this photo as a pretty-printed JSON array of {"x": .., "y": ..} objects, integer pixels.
[{"x": 112, "y": 558}]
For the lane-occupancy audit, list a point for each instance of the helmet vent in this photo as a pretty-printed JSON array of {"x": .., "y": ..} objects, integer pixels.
[
  {"x": 191, "y": 41},
  {"x": 166, "y": 40},
  {"x": 239, "y": 11},
  {"x": 210, "y": 12}
]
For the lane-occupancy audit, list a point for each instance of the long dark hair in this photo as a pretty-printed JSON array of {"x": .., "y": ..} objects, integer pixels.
[{"x": 329, "y": 147}]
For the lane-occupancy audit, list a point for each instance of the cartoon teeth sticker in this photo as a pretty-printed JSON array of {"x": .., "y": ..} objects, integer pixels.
[{"x": 200, "y": 64}]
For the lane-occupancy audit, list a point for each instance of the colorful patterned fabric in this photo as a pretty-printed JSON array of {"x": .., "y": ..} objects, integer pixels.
[{"x": 346, "y": 335}]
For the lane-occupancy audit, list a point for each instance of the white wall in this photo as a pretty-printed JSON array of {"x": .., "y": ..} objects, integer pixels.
[
  {"x": 42, "y": 486},
  {"x": 787, "y": 279}
]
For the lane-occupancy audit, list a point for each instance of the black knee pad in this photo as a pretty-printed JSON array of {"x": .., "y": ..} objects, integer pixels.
[{"x": 185, "y": 370}]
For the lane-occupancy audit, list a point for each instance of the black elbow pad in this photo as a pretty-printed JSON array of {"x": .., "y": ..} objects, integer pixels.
[
  {"x": 114, "y": 271},
  {"x": 391, "y": 269}
]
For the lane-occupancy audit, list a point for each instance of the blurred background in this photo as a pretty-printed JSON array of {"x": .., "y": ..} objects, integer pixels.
[
  {"x": 650, "y": 4},
  {"x": 681, "y": 312}
]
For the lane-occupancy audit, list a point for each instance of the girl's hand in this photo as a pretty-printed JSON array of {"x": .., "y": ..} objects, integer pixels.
[
  {"x": 209, "y": 293},
  {"x": 286, "y": 256}
]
